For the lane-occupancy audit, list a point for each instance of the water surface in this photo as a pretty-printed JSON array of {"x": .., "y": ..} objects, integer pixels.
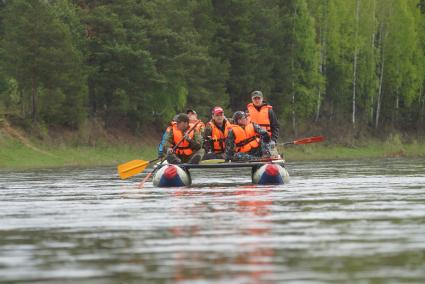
[{"x": 335, "y": 222}]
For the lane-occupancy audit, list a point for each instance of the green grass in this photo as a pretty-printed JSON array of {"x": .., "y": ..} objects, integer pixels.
[
  {"x": 15, "y": 155},
  {"x": 367, "y": 150}
]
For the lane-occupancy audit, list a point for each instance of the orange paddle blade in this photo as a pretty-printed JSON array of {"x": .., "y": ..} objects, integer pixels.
[
  {"x": 310, "y": 140},
  {"x": 131, "y": 168}
]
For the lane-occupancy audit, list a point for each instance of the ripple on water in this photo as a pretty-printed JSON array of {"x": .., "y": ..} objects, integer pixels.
[{"x": 345, "y": 221}]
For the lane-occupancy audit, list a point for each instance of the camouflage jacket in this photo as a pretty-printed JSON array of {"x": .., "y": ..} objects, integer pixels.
[
  {"x": 195, "y": 144},
  {"x": 230, "y": 140}
]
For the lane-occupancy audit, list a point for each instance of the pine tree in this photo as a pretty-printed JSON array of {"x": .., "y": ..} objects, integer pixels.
[{"x": 40, "y": 55}]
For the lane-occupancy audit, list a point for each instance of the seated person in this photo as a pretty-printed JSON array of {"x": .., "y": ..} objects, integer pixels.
[
  {"x": 193, "y": 118},
  {"x": 246, "y": 140},
  {"x": 215, "y": 135},
  {"x": 189, "y": 145},
  {"x": 164, "y": 137}
]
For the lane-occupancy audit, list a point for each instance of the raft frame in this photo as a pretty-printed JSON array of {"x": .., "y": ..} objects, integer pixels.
[{"x": 227, "y": 165}]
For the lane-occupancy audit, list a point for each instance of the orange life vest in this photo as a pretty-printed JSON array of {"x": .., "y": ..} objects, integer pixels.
[
  {"x": 218, "y": 137},
  {"x": 260, "y": 117},
  {"x": 200, "y": 126},
  {"x": 245, "y": 139},
  {"x": 183, "y": 148}
]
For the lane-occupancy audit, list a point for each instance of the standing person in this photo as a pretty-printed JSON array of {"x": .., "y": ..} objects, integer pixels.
[
  {"x": 193, "y": 118},
  {"x": 215, "y": 135},
  {"x": 246, "y": 140},
  {"x": 262, "y": 113},
  {"x": 189, "y": 151}
]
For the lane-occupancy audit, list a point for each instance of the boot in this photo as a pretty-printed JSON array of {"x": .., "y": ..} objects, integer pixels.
[
  {"x": 196, "y": 157},
  {"x": 173, "y": 159}
]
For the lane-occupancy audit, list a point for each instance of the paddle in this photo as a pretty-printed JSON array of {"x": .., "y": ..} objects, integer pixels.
[
  {"x": 308, "y": 140},
  {"x": 133, "y": 167},
  {"x": 142, "y": 183}
]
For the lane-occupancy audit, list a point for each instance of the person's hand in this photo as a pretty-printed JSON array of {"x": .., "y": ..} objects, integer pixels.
[
  {"x": 170, "y": 151},
  {"x": 187, "y": 138}
]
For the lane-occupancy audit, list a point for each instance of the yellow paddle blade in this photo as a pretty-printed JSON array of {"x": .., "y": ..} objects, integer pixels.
[
  {"x": 212, "y": 161},
  {"x": 131, "y": 168}
]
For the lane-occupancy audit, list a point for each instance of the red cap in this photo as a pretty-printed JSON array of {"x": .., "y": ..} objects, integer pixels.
[{"x": 217, "y": 110}]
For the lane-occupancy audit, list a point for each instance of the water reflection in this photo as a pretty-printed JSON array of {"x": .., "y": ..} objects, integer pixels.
[
  {"x": 252, "y": 264},
  {"x": 256, "y": 203}
]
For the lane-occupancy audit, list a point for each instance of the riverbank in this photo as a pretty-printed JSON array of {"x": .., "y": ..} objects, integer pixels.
[
  {"x": 90, "y": 146},
  {"x": 372, "y": 150},
  {"x": 15, "y": 155},
  {"x": 18, "y": 152}
]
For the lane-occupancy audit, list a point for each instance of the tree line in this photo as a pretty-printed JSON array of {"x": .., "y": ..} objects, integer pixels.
[{"x": 352, "y": 64}]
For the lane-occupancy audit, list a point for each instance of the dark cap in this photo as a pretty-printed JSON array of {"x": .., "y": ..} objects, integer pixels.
[
  {"x": 217, "y": 110},
  {"x": 191, "y": 110},
  {"x": 182, "y": 117},
  {"x": 255, "y": 94},
  {"x": 238, "y": 115}
]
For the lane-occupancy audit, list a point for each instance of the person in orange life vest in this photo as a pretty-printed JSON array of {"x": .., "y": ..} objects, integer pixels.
[
  {"x": 246, "y": 140},
  {"x": 189, "y": 151},
  {"x": 164, "y": 137},
  {"x": 262, "y": 113},
  {"x": 215, "y": 135},
  {"x": 193, "y": 118}
]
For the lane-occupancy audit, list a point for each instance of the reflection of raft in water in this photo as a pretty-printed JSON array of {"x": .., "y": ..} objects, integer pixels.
[{"x": 262, "y": 172}]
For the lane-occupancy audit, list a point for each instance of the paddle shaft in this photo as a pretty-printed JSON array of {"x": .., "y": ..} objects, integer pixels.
[{"x": 142, "y": 183}]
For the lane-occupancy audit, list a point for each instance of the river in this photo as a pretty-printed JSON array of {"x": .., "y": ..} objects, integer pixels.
[{"x": 335, "y": 222}]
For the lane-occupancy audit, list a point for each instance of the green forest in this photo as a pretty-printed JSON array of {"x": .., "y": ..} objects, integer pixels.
[{"x": 352, "y": 67}]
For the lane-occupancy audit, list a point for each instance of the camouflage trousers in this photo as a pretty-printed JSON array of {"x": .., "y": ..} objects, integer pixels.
[
  {"x": 195, "y": 158},
  {"x": 264, "y": 151},
  {"x": 210, "y": 156}
]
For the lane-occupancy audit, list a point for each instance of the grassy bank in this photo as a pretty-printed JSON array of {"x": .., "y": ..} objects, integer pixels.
[
  {"x": 16, "y": 155},
  {"x": 374, "y": 149},
  {"x": 25, "y": 154}
]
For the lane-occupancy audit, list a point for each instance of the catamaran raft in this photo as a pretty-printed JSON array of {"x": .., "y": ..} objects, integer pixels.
[{"x": 262, "y": 172}]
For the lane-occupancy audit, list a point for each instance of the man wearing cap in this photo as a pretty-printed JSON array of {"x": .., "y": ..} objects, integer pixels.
[
  {"x": 193, "y": 118},
  {"x": 262, "y": 113},
  {"x": 189, "y": 150},
  {"x": 215, "y": 135},
  {"x": 246, "y": 140}
]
